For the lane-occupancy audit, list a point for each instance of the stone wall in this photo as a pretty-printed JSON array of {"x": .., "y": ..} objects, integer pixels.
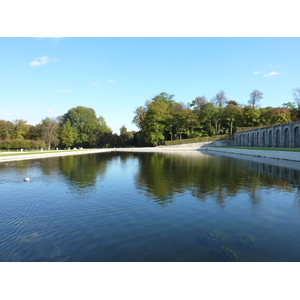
[{"x": 278, "y": 136}]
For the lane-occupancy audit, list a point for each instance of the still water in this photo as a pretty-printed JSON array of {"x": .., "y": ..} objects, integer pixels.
[{"x": 188, "y": 206}]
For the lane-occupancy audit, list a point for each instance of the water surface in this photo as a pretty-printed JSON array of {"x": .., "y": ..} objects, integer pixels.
[{"x": 187, "y": 206}]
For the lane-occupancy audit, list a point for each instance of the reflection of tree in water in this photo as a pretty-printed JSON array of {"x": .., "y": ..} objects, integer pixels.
[
  {"x": 163, "y": 175},
  {"x": 82, "y": 171}
]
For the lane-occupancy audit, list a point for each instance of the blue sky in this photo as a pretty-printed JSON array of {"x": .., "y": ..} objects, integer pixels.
[{"x": 44, "y": 77}]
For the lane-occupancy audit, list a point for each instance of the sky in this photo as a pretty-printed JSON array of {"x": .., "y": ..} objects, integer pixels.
[{"x": 45, "y": 77}]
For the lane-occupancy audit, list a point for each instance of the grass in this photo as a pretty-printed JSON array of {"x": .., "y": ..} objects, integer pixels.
[
  {"x": 266, "y": 149},
  {"x": 38, "y": 152}
]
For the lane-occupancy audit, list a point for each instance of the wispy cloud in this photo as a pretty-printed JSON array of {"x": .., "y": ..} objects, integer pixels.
[
  {"x": 63, "y": 91},
  {"x": 270, "y": 65},
  {"x": 6, "y": 113},
  {"x": 55, "y": 39},
  {"x": 49, "y": 111},
  {"x": 257, "y": 72},
  {"x": 111, "y": 81},
  {"x": 41, "y": 61},
  {"x": 271, "y": 74}
]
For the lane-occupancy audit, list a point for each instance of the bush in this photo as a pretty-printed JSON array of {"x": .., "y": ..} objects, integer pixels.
[
  {"x": 198, "y": 140},
  {"x": 18, "y": 144}
]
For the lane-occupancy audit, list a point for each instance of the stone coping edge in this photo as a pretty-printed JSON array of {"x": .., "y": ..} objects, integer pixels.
[{"x": 285, "y": 155}]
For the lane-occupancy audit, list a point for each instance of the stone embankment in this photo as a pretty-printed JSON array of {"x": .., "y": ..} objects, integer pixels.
[
  {"x": 285, "y": 155},
  {"x": 205, "y": 147}
]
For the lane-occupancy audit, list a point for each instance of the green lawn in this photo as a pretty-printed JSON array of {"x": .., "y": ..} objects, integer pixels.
[
  {"x": 266, "y": 149},
  {"x": 3, "y": 153}
]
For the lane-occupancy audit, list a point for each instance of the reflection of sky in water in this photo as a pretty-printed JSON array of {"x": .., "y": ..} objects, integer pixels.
[{"x": 149, "y": 207}]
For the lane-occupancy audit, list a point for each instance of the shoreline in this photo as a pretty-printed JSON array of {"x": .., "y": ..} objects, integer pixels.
[
  {"x": 52, "y": 154},
  {"x": 281, "y": 155}
]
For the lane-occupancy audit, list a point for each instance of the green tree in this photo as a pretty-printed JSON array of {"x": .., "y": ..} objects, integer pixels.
[
  {"x": 68, "y": 134},
  {"x": 292, "y": 108},
  {"x": 154, "y": 118},
  {"x": 208, "y": 115},
  {"x": 6, "y": 129},
  {"x": 266, "y": 115},
  {"x": 232, "y": 114},
  {"x": 281, "y": 115},
  {"x": 49, "y": 128},
  {"x": 20, "y": 129},
  {"x": 84, "y": 121},
  {"x": 251, "y": 116}
]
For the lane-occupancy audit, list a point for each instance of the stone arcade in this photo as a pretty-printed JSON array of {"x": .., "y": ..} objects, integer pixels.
[{"x": 277, "y": 136}]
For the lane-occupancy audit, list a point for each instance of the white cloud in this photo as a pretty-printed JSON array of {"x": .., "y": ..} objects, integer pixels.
[
  {"x": 41, "y": 61},
  {"x": 271, "y": 74},
  {"x": 111, "y": 81},
  {"x": 48, "y": 111},
  {"x": 63, "y": 91},
  {"x": 94, "y": 83},
  {"x": 257, "y": 72}
]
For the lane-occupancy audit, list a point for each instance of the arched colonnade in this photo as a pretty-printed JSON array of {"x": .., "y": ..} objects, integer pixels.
[{"x": 278, "y": 136}]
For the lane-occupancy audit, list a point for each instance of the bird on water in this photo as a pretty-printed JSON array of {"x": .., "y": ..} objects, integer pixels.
[{"x": 26, "y": 179}]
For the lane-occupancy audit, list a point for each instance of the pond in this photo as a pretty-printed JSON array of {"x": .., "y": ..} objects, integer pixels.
[{"x": 112, "y": 207}]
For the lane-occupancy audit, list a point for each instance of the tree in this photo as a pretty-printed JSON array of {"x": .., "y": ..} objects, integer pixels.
[
  {"x": 296, "y": 95},
  {"x": 255, "y": 98},
  {"x": 198, "y": 102},
  {"x": 154, "y": 118},
  {"x": 208, "y": 115},
  {"x": 232, "y": 113},
  {"x": 251, "y": 116},
  {"x": 20, "y": 129},
  {"x": 6, "y": 129},
  {"x": 68, "y": 134},
  {"x": 123, "y": 130},
  {"x": 220, "y": 99},
  {"x": 281, "y": 115},
  {"x": 49, "y": 128},
  {"x": 266, "y": 115},
  {"x": 292, "y": 108},
  {"x": 84, "y": 121}
]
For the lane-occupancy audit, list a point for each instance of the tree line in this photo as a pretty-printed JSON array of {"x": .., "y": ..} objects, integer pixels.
[
  {"x": 79, "y": 127},
  {"x": 159, "y": 119},
  {"x": 162, "y": 118}
]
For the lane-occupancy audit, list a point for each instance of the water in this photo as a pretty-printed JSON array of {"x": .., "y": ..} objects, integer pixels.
[{"x": 187, "y": 206}]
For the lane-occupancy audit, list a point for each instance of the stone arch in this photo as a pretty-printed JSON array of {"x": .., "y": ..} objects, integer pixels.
[
  {"x": 263, "y": 140},
  {"x": 286, "y": 138},
  {"x": 270, "y": 142},
  {"x": 296, "y": 137},
  {"x": 257, "y": 140},
  {"x": 277, "y": 139},
  {"x": 252, "y": 144}
]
